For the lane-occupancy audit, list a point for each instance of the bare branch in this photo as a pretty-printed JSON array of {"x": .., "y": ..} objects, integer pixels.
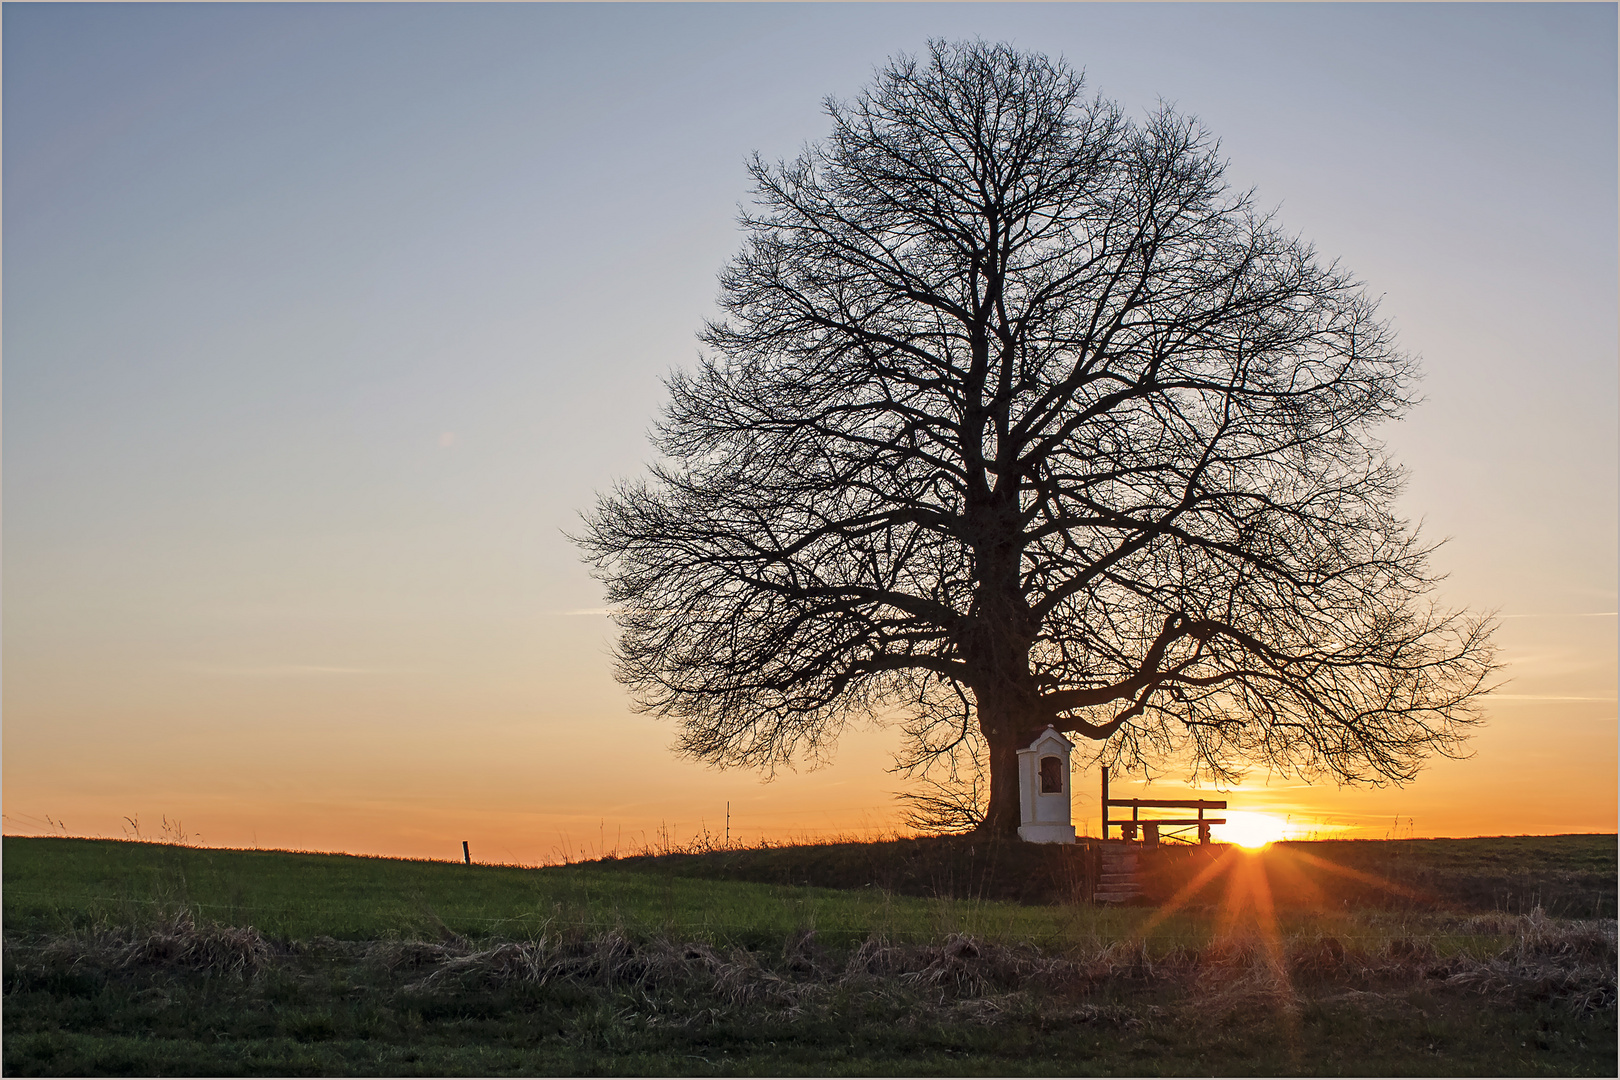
[{"x": 1018, "y": 415}]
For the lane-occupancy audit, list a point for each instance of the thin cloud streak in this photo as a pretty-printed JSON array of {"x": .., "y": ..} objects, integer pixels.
[
  {"x": 1564, "y": 615},
  {"x": 273, "y": 670},
  {"x": 1548, "y": 697}
]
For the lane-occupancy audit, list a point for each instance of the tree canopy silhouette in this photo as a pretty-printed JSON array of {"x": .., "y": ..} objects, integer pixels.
[{"x": 1018, "y": 415}]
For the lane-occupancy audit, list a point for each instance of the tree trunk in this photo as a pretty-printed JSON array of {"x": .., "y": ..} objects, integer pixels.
[
  {"x": 1002, "y": 724},
  {"x": 1004, "y": 814},
  {"x": 998, "y": 645}
]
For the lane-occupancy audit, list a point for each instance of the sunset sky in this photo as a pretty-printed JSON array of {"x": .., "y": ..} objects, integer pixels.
[{"x": 323, "y": 323}]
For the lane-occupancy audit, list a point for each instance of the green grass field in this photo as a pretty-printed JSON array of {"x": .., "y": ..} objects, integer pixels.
[
  {"x": 62, "y": 886},
  {"x": 126, "y": 958}
]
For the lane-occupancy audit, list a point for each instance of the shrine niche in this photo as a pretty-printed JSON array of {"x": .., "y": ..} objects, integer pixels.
[{"x": 1045, "y": 788}]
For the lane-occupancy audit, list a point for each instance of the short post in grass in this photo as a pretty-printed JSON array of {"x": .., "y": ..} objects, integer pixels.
[{"x": 466, "y": 854}]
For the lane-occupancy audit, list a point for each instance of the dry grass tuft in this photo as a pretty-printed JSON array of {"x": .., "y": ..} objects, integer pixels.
[
  {"x": 1540, "y": 959},
  {"x": 410, "y": 955},
  {"x": 1571, "y": 961},
  {"x": 1566, "y": 939},
  {"x": 1324, "y": 958},
  {"x": 176, "y": 941},
  {"x": 507, "y": 963}
]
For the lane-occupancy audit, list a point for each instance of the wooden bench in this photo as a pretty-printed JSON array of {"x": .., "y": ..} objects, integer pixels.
[{"x": 1150, "y": 828}]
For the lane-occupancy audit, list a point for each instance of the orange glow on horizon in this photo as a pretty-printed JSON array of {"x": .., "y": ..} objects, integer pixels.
[
  {"x": 1252, "y": 830},
  {"x": 557, "y": 778}
]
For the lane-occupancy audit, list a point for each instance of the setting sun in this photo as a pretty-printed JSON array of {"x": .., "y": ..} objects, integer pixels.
[{"x": 1251, "y": 830}]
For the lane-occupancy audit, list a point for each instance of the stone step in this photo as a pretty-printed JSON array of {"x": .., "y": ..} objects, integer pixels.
[{"x": 1116, "y": 880}]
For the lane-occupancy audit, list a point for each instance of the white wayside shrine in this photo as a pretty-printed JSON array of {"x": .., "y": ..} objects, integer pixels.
[{"x": 1043, "y": 789}]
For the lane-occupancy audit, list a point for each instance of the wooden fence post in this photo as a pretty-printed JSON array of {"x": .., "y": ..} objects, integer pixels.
[
  {"x": 466, "y": 855},
  {"x": 1105, "y": 801}
]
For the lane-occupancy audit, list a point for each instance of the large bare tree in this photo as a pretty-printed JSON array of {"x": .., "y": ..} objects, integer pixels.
[{"x": 1017, "y": 416}]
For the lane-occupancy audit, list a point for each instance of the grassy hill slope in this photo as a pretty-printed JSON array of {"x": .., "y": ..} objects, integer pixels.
[
  {"x": 125, "y": 958},
  {"x": 1566, "y": 875}
]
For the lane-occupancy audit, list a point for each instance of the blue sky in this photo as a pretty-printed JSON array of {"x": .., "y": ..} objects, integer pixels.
[{"x": 324, "y": 321}]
